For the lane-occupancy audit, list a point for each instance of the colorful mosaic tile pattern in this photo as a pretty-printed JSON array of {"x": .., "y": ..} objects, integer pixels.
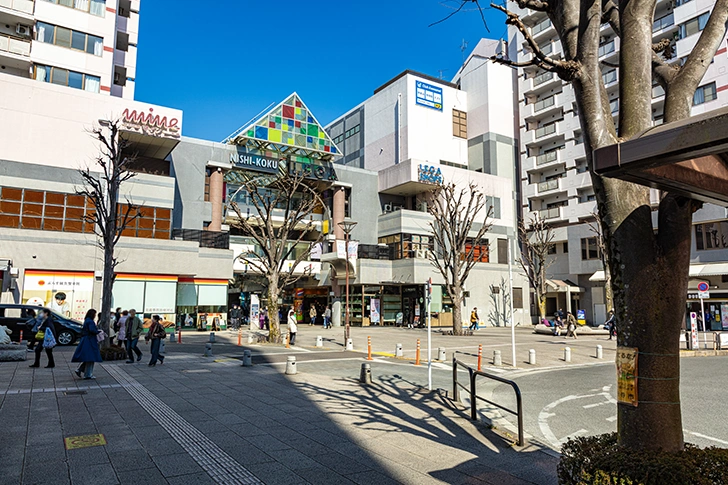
[{"x": 291, "y": 123}]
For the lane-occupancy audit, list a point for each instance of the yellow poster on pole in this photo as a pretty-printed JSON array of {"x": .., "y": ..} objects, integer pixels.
[{"x": 627, "y": 375}]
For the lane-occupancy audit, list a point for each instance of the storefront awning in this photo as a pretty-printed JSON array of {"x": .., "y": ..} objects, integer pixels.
[
  {"x": 708, "y": 269},
  {"x": 598, "y": 276},
  {"x": 558, "y": 286}
]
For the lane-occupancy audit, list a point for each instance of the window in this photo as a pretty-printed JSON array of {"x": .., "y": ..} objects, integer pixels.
[
  {"x": 52, "y": 34},
  {"x": 589, "y": 248},
  {"x": 208, "y": 172},
  {"x": 481, "y": 250},
  {"x": 566, "y": 247},
  {"x": 153, "y": 222},
  {"x": 94, "y": 7},
  {"x": 711, "y": 235},
  {"x": 552, "y": 249},
  {"x": 704, "y": 94},
  {"x": 502, "y": 251},
  {"x": 693, "y": 26},
  {"x": 517, "y": 297},
  {"x": 351, "y": 132},
  {"x": 64, "y": 77},
  {"x": 495, "y": 203},
  {"x": 407, "y": 246},
  {"x": 49, "y": 211},
  {"x": 459, "y": 123}
]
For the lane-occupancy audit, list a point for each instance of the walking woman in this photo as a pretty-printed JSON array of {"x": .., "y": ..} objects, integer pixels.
[
  {"x": 87, "y": 352},
  {"x": 156, "y": 333},
  {"x": 43, "y": 343}
]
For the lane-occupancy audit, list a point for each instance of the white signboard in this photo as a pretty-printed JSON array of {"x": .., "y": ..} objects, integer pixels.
[{"x": 694, "y": 331}]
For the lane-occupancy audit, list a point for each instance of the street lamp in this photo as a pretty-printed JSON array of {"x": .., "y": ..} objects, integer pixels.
[{"x": 347, "y": 227}]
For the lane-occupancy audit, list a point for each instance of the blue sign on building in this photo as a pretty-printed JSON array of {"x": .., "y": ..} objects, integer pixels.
[{"x": 428, "y": 95}]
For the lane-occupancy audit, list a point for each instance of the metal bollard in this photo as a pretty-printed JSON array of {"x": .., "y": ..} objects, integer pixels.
[
  {"x": 349, "y": 344},
  {"x": 497, "y": 357},
  {"x": 567, "y": 354},
  {"x": 212, "y": 337},
  {"x": 247, "y": 358},
  {"x": 172, "y": 336},
  {"x": 532, "y": 356},
  {"x": 208, "y": 350},
  {"x": 365, "y": 376},
  {"x": 319, "y": 341},
  {"x": 398, "y": 352},
  {"x": 600, "y": 352},
  {"x": 161, "y": 346},
  {"x": 441, "y": 354},
  {"x": 251, "y": 338},
  {"x": 291, "y": 365}
]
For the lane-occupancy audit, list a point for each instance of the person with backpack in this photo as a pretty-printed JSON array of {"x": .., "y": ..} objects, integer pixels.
[
  {"x": 134, "y": 329},
  {"x": 87, "y": 352},
  {"x": 46, "y": 337},
  {"x": 474, "y": 319},
  {"x": 156, "y": 334},
  {"x": 34, "y": 321}
]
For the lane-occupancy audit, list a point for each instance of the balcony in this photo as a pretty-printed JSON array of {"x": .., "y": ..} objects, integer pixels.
[
  {"x": 545, "y": 130},
  {"x": 21, "y": 8},
  {"x": 15, "y": 45},
  {"x": 548, "y": 157},
  {"x": 542, "y": 134},
  {"x": 548, "y": 186},
  {"x": 206, "y": 239},
  {"x": 540, "y": 29},
  {"x": 552, "y": 213},
  {"x": 542, "y": 78},
  {"x": 606, "y": 49},
  {"x": 663, "y": 22}
]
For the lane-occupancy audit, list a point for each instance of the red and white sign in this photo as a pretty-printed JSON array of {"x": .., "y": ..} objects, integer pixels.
[
  {"x": 149, "y": 123},
  {"x": 703, "y": 288},
  {"x": 694, "y": 345}
]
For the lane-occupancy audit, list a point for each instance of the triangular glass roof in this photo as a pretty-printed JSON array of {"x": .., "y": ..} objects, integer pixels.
[{"x": 289, "y": 128}]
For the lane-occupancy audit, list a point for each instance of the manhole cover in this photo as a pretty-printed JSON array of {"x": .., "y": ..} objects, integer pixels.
[{"x": 78, "y": 392}]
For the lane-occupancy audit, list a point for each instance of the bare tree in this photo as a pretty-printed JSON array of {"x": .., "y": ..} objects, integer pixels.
[
  {"x": 110, "y": 216},
  {"x": 457, "y": 213},
  {"x": 537, "y": 241},
  {"x": 501, "y": 312},
  {"x": 649, "y": 268},
  {"x": 596, "y": 228},
  {"x": 283, "y": 230}
]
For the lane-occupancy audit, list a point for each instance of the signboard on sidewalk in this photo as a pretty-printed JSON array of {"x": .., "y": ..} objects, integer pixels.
[
  {"x": 374, "y": 314},
  {"x": 581, "y": 317},
  {"x": 627, "y": 375},
  {"x": 694, "y": 331}
]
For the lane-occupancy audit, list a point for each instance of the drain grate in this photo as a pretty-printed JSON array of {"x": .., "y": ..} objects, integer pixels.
[{"x": 78, "y": 392}]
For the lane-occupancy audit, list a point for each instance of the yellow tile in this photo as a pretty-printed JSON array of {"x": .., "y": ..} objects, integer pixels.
[{"x": 85, "y": 441}]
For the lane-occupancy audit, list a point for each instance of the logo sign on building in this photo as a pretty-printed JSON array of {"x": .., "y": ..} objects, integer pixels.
[
  {"x": 312, "y": 170},
  {"x": 429, "y": 174},
  {"x": 627, "y": 375},
  {"x": 254, "y": 162},
  {"x": 428, "y": 95},
  {"x": 703, "y": 288},
  {"x": 149, "y": 123}
]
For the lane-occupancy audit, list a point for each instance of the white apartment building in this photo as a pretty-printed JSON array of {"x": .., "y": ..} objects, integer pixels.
[
  {"x": 82, "y": 44},
  {"x": 556, "y": 183}
]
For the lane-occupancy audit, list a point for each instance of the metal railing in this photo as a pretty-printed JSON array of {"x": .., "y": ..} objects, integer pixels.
[
  {"x": 663, "y": 22},
  {"x": 473, "y": 374},
  {"x": 551, "y": 213},
  {"x": 14, "y": 45},
  {"x": 546, "y": 130},
  {"x": 546, "y": 157},
  {"x": 544, "y": 103},
  {"x": 206, "y": 239},
  {"x": 25, "y": 6},
  {"x": 548, "y": 185},
  {"x": 607, "y": 48},
  {"x": 540, "y": 27},
  {"x": 542, "y": 78}
]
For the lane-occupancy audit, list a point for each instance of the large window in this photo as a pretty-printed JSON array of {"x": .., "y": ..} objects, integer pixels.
[
  {"x": 94, "y": 7},
  {"x": 711, "y": 235},
  {"x": 481, "y": 250},
  {"x": 589, "y": 248},
  {"x": 693, "y": 26},
  {"x": 493, "y": 202},
  {"x": 517, "y": 297},
  {"x": 153, "y": 222},
  {"x": 64, "y": 77},
  {"x": 459, "y": 123},
  {"x": 73, "y": 39},
  {"x": 704, "y": 94},
  {"x": 48, "y": 211},
  {"x": 407, "y": 246}
]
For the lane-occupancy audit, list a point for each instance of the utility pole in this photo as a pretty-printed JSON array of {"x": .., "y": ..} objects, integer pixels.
[
  {"x": 347, "y": 227},
  {"x": 513, "y": 320}
]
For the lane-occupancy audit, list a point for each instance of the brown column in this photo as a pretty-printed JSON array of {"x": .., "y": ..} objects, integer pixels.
[
  {"x": 339, "y": 209},
  {"x": 216, "y": 199}
]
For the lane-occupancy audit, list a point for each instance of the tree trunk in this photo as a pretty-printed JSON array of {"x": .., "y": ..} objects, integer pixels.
[
  {"x": 107, "y": 286},
  {"x": 457, "y": 310},
  {"x": 274, "y": 335},
  {"x": 542, "y": 306}
]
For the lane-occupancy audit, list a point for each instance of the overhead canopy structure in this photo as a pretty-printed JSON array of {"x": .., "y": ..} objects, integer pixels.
[
  {"x": 288, "y": 129},
  {"x": 688, "y": 157}
]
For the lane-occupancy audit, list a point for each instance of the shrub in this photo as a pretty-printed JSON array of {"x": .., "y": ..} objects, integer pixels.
[
  {"x": 113, "y": 352},
  {"x": 599, "y": 460}
]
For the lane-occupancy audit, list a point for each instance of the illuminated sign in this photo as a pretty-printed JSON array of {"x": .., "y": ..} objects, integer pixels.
[
  {"x": 151, "y": 124},
  {"x": 429, "y": 174}
]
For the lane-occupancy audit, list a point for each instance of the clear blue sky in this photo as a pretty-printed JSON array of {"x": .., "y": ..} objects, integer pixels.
[{"x": 222, "y": 62}]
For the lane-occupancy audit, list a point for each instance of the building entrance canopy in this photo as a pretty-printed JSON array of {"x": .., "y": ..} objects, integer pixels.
[{"x": 687, "y": 157}]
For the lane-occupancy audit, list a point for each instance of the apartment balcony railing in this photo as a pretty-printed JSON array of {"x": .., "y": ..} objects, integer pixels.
[
  {"x": 206, "y": 239},
  {"x": 25, "y": 6},
  {"x": 552, "y": 213},
  {"x": 542, "y": 78},
  {"x": 658, "y": 91},
  {"x": 15, "y": 45},
  {"x": 548, "y": 185},
  {"x": 547, "y": 158},
  {"x": 540, "y": 27},
  {"x": 663, "y": 22},
  {"x": 546, "y": 130},
  {"x": 607, "y": 48},
  {"x": 544, "y": 103},
  {"x": 609, "y": 77}
]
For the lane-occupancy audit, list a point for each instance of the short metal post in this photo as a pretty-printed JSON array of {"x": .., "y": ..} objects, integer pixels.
[
  {"x": 247, "y": 358},
  {"x": 455, "y": 390},
  {"x": 291, "y": 365},
  {"x": 600, "y": 352},
  {"x": 319, "y": 341},
  {"x": 251, "y": 338},
  {"x": 519, "y": 404},
  {"x": 480, "y": 356},
  {"x": 208, "y": 350},
  {"x": 240, "y": 337},
  {"x": 212, "y": 337},
  {"x": 398, "y": 352},
  {"x": 497, "y": 358},
  {"x": 349, "y": 344},
  {"x": 532, "y": 356},
  {"x": 567, "y": 354},
  {"x": 441, "y": 354},
  {"x": 365, "y": 376},
  {"x": 473, "y": 413},
  {"x": 179, "y": 336}
]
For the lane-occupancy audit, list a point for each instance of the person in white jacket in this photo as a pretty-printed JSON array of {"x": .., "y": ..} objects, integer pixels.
[{"x": 292, "y": 326}]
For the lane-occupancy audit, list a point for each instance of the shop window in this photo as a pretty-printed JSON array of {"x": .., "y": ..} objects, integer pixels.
[
  {"x": 711, "y": 235},
  {"x": 49, "y": 211},
  {"x": 704, "y": 94},
  {"x": 459, "y": 124},
  {"x": 589, "y": 248},
  {"x": 517, "y": 297}
]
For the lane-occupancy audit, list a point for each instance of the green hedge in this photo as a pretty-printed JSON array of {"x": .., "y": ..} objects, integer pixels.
[{"x": 599, "y": 460}]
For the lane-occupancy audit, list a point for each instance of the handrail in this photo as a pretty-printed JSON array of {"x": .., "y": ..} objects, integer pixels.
[{"x": 474, "y": 395}]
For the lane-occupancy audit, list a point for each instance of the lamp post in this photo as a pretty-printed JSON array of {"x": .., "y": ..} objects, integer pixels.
[{"x": 347, "y": 227}]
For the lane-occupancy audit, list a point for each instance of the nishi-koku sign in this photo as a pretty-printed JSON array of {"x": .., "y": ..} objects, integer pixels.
[{"x": 428, "y": 95}]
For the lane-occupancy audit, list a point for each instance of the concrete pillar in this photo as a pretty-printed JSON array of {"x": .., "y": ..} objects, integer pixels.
[
  {"x": 497, "y": 360},
  {"x": 339, "y": 211},
  {"x": 600, "y": 352},
  {"x": 247, "y": 358},
  {"x": 216, "y": 200},
  {"x": 365, "y": 375},
  {"x": 532, "y": 357},
  {"x": 291, "y": 365}
]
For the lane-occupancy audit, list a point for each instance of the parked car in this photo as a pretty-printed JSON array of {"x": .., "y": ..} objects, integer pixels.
[{"x": 17, "y": 318}]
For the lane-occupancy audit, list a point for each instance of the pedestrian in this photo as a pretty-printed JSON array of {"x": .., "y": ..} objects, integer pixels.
[
  {"x": 558, "y": 324},
  {"x": 114, "y": 326},
  {"x": 235, "y": 315},
  {"x": 561, "y": 314},
  {"x": 570, "y": 325},
  {"x": 34, "y": 322},
  {"x": 87, "y": 352},
  {"x": 261, "y": 319},
  {"x": 121, "y": 335},
  {"x": 312, "y": 313},
  {"x": 292, "y": 326},
  {"x": 327, "y": 317},
  {"x": 134, "y": 329},
  {"x": 474, "y": 318},
  {"x": 47, "y": 340},
  {"x": 156, "y": 334},
  {"x": 611, "y": 325}
]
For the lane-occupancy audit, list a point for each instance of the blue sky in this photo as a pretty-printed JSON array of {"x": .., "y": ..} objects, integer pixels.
[{"x": 223, "y": 62}]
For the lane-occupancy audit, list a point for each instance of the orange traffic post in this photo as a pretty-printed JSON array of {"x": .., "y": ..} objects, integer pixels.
[
  {"x": 240, "y": 337},
  {"x": 480, "y": 355},
  {"x": 21, "y": 337},
  {"x": 288, "y": 341},
  {"x": 417, "y": 357},
  {"x": 369, "y": 348}
]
